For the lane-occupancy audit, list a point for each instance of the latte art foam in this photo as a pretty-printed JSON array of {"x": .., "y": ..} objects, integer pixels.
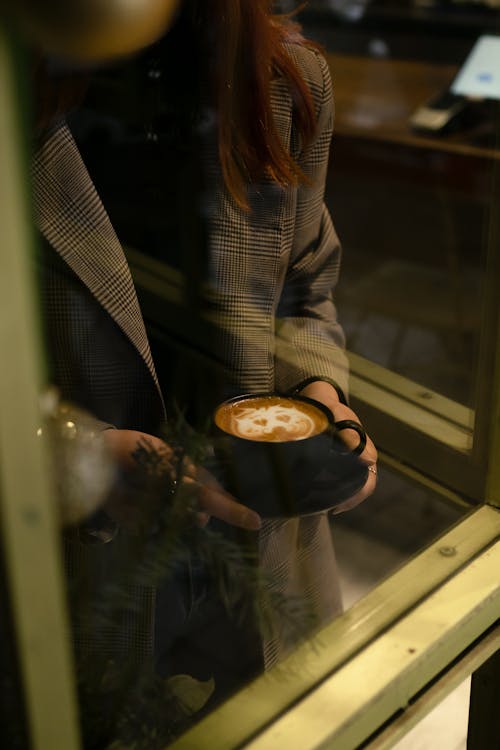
[{"x": 271, "y": 419}]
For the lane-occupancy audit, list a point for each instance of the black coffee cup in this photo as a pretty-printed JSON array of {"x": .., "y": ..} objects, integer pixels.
[{"x": 282, "y": 455}]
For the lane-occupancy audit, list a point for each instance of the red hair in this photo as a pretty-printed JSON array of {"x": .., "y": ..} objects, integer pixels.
[
  {"x": 54, "y": 95},
  {"x": 246, "y": 46},
  {"x": 250, "y": 43}
]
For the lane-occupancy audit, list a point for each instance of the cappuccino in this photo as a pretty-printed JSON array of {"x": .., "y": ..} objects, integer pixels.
[{"x": 274, "y": 419}]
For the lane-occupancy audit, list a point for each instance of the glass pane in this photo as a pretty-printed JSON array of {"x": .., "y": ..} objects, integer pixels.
[
  {"x": 411, "y": 198},
  {"x": 185, "y": 258},
  {"x": 411, "y": 193},
  {"x": 402, "y": 516}
]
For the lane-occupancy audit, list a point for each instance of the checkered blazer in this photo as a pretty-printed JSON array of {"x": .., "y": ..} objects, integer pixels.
[
  {"x": 272, "y": 273},
  {"x": 273, "y": 269}
]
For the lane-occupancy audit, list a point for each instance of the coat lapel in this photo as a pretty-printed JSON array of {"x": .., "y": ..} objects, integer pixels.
[{"x": 71, "y": 217}]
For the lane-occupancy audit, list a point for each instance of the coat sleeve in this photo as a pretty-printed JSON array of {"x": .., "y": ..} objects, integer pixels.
[{"x": 309, "y": 339}]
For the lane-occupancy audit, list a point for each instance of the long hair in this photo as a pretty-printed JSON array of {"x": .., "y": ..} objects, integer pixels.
[
  {"x": 249, "y": 42},
  {"x": 55, "y": 93},
  {"x": 244, "y": 46}
]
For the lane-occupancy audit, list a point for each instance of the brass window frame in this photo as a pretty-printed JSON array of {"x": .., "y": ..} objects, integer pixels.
[
  {"x": 29, "y": 522},
  {"x": 345, "y": 709},
  {"x": 439, "y": 571},
  {"x": 464, "y": 559}
]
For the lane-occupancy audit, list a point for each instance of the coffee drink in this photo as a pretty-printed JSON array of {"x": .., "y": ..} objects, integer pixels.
[
  {"x": 282, "y": 455},
  {"x": 275, "y": 419}
]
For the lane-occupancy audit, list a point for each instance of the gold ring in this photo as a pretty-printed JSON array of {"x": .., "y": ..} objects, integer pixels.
[{"x": 373, "y": 470}]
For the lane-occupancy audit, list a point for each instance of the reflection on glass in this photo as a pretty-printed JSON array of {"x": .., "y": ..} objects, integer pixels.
[
  {"x": 402, "y": 517},
  {"x": 412, "y": 205},
  {"x": 186, "y": 255}
]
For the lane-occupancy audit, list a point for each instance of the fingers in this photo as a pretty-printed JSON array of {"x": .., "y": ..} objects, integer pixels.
[
  {"x": 325, "y": 394},
  {"x": 369, "y": 456},
  {"x": 202, "y": 519},
  {"x": 367, "y": 489},
  {"x": 214, "y": 501},
  {"x": 125, "y": 445},
  {"x": 351, "y": 438},
  {"x": 223, "y": 506}
]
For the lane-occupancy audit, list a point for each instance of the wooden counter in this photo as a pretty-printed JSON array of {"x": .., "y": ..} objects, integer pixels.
[{"x": 376, "y": 97}]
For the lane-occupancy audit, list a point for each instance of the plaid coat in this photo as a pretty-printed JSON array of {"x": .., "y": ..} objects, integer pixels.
[{"x": 273, "y": 270}]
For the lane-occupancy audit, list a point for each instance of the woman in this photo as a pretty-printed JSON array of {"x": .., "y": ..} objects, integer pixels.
[
  {"x": 243, "y": 86},
  {"x": 99, "y": 357}
]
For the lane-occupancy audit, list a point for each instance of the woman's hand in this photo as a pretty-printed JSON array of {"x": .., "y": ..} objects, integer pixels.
[
  {"x": 213, "y": 500},
  {"x": 327, "y": 395}
]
